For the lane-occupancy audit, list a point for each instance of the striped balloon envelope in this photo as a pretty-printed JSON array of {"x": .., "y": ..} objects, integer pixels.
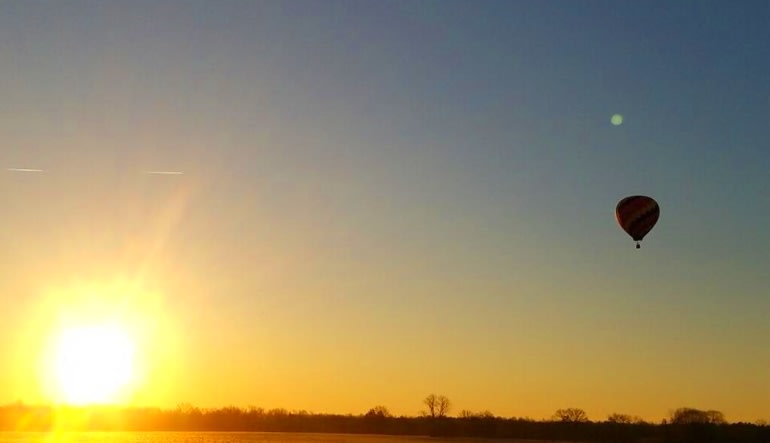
[{"x": 637, "y": 214}]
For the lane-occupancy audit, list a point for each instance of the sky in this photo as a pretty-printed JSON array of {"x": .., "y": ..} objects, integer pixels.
[{"x": 375, "y": 201}]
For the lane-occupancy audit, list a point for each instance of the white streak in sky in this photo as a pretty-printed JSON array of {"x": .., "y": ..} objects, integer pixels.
[
  {"x": 23, "y": 170},
  {"x": 164, "y": 172}
]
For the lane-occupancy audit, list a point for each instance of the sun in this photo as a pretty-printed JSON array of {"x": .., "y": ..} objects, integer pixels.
[
  {"x": 93, "y": 364},
  {"x": 100, "y": 343}
]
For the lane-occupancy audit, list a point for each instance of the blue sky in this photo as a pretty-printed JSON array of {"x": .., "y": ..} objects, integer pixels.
[{"x": 417, "y": 182}]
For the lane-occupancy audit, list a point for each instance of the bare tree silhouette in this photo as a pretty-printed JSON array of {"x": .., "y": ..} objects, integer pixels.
[
  {"x": 692, "y": 416},
  {"x": 438, "y": 406},
  {"x": 624, "y": 419},
  {"x": 379, "y": 411},
  {"x": 570, "y": 415},
  {"x": 465, "y": 413}
]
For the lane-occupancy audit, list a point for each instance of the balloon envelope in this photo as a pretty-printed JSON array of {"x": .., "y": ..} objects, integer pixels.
[{"x": 637, "y": 214}]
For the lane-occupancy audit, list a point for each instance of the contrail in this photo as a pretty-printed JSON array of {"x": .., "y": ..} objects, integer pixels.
[
  {"x": 164, "y": 172},
  {"x": 23, "y": 170}
]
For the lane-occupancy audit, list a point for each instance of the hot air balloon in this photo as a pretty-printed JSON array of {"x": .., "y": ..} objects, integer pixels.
[{"x": 636, "y": 215}]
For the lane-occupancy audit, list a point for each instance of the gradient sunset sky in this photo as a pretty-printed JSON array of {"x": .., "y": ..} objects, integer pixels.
[{"x": 377, "y": 200}]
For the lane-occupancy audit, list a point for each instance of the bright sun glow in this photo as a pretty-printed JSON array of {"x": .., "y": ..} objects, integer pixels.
[
  {"x": 93, "y": 364},
  {"x": 102, "y": 343}
]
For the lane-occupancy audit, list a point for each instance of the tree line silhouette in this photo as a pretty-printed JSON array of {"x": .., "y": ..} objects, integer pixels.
[{"x": 684, "y": 425}]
